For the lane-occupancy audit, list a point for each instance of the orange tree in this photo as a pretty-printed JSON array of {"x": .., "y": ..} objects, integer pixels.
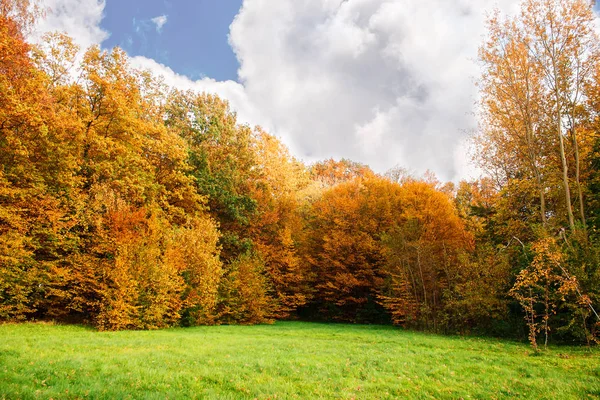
[{"x": 343, "y": 248}]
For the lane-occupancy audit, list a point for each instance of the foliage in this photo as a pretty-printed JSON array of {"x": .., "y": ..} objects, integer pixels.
[
  {"x": 127, "y": 204},
  {"x": 537, "y": 135},
  {"x": 422, "y": 252},
  {"x": 244, "y": 295},
  {"x": 344, "y": 249}
]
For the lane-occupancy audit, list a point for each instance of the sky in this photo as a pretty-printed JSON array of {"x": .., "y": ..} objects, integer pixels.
[
  {"x": 383, "y": 82},
  {"x": 189, "y": 36}
]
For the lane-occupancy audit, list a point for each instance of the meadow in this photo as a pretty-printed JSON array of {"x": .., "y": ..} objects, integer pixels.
[{"x": 284, "y": 360}]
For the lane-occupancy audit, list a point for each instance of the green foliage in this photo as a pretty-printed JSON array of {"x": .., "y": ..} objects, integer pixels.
[
  {"x": 219, "y": 154},
  {"x": 477, "y": 301}
]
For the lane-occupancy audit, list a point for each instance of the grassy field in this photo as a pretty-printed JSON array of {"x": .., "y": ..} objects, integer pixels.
[{"x": 285, "y": 360}]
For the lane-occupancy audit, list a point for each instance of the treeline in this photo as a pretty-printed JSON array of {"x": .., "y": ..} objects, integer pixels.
[{"x": 126, "y": 204}]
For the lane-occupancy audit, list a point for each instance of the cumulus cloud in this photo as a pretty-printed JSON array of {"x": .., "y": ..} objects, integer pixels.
[
  {"x": 383, "y": 82},
  {"x": 159, "y": 21},
  {"x": 79, "y": 18}
]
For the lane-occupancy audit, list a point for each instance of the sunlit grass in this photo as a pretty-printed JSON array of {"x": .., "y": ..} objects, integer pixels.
[{"x": 285, "y": 360}]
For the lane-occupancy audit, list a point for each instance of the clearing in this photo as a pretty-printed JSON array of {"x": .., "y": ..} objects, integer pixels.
[{"x": 284, "y": 360}]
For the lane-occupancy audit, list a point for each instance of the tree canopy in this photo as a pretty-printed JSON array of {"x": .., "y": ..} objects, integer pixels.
[{"x": 127, "y": 204}]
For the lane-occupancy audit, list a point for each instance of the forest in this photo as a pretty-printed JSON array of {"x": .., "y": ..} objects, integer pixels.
[{"x": 126, "y": 204}]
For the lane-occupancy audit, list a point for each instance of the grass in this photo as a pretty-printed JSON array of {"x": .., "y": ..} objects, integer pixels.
[{"x": 285, "y": 360}]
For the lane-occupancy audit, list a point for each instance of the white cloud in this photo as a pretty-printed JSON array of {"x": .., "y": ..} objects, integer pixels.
[
  {"x": 79, "y": 18},
  {"x": 383, "y": 82},
  {"x": 159, "y": 21}
]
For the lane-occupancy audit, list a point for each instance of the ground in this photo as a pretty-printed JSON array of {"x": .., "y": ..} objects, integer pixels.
[{"x": 284, "y": 360}]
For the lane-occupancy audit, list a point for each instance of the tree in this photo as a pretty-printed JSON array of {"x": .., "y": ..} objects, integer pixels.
[
  {"x": 542, "y": 286},
  {"x": 331, "y": 172},
  {"x": 536, "y": 138},
  {"x": 37, "y": 160},
  {"x": 136, "y": 267},
  {"x": 566, "y": 47},
  {"x": 536, "y": 67},
  {"x": 23, "y": 13},
  {"x": 343, "y": 246},
  {"x": 276, "y": 226},
  {"x": 221, "y": 158},
  {"x": 593, "y": 157},
  {"x": 511, "y": 142},
  {"x": 245, "y": 296},
  {"x": 422, "y": 252}
]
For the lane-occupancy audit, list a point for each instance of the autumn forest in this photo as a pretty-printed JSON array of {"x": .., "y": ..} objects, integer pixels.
[{"x": 127, "y": 204}]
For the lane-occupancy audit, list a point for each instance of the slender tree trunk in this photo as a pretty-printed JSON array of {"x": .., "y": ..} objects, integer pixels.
[
  {"x": 532, "y": 327},
  {"x": 547, "y": 315},
  {"x": 423, "y": 283},
  {"x": 538, "y": 178},
  {"x": 578, "y": 83},
  {"x": 566, "y": 182},
  {"x": 563, "y": 157},
  {"x": 577, "y": 179},
  {"x": 412, "y": 275}
]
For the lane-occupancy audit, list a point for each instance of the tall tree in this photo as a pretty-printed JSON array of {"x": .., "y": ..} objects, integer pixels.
[
  {"x": 37, "y": 161},
  {"x": 512, "y": 144},
  {"x": 566, "y": 47},
  {"x": 222, "y": 160},
  {"x": 277, "y": 223},
  {"x": 422, "y": 249},
  {"x": 536, "y": 67}
]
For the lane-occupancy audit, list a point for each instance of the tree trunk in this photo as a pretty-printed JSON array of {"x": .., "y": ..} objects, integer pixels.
[
  {"x": 577, "y": 179},
  {"x": 566, "y": 180},
  {"x": 423, "y": 284},
  {"x": 536, "y": 170},
  {"x": 563, "y": 156}
]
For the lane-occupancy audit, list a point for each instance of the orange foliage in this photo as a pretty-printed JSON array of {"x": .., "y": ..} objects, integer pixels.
[
  {"x": 343, "y": 246},
  {"x": 277, "y": 221},
  {"x": 129, "y": 205},
  {"x": 331, "y": 172}
]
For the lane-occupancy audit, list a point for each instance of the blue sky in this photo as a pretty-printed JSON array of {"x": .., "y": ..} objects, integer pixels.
[{"x": 192, "y": 42}]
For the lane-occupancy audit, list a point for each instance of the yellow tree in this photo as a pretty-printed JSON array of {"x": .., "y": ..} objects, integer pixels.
[
  {"x": 223, "y": 161},
  {"x": 536, "y": 66},
  {"x": 331, "y": 172},
  {"x": 564, "y": 44},
  {"x": 147, "y": 254},
  {"x": 277, "y": 222},
  {"x": 543, "y": 286},
  {"x": 38, "y": 164},
  {"x": 511, "y": 143},
  {"x": 23, "y": 13}
]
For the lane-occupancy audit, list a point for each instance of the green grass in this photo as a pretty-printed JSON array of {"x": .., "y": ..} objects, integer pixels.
[{"x": 285, "y": 360}]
